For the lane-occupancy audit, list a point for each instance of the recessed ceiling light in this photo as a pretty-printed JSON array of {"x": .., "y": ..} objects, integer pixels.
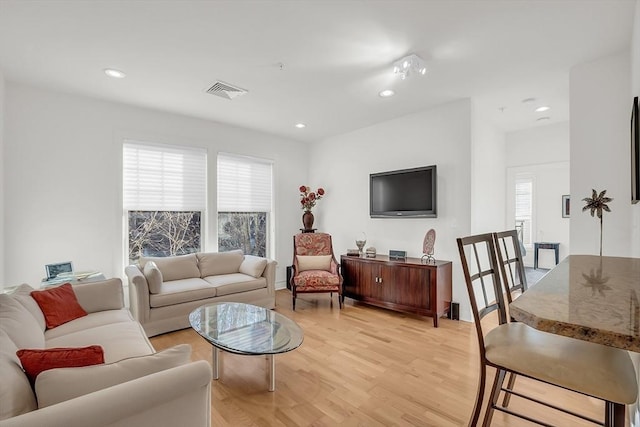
[
  {"x": 114, "y": 73},
  {"x": 386, "y": 93},
  {"x": 543, "y": 108},
  {"x": 528, "y": 100},
  {"x": 543, "y": 118},
  {"x": 301, "y": 125}
]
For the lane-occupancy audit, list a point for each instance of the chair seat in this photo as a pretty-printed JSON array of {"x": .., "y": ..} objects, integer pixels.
[
  {"x": 316, "y": 280},
  {"x": 592, "y": 369}
]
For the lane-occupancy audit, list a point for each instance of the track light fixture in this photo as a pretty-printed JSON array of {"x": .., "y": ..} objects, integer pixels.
[{"x": 408, "y": 65}]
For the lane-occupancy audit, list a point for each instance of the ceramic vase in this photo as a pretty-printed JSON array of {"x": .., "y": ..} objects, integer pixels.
[{"x": 307, "y": 220}]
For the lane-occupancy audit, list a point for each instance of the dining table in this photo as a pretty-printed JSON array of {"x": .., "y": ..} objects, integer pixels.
[{"x": 590, "y": 298}]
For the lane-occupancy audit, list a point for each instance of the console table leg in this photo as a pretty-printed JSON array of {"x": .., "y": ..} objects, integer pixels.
[
  {"x": 272, "y": 372},
  {"x": 215, "y": 363}
]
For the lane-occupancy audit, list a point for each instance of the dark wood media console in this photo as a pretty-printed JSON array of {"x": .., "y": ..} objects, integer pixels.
[{"x": 407, "y": 285}]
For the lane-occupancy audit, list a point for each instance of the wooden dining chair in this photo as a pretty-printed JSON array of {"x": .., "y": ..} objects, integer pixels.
[
  {"x": 514, "y": 278},
  {"x": 591, "y": 369}
]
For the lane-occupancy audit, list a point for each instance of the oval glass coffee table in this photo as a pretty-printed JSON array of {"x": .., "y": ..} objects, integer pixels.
[{"x": 247, "y": 330}]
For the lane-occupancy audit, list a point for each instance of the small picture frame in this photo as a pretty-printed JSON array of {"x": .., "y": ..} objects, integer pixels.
[
  {"x": 54, "y": 269},
  {"x": 566, "y": 206}
]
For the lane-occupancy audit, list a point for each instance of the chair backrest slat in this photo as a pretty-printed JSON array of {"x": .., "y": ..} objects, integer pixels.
[
  {"x": 511, "y": 265},
  {"x": 491, "y": 290}
]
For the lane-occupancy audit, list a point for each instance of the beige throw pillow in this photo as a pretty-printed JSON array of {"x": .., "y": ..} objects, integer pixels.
[
  {"x": 253, "y": 266},
  {"x": 154, "y": 277},
  {"x": 60, "y": 384},
  {"x": 23, "y": 295},
  {"x": 19, "y": 324},
  {"x": 175, "y": 267},
  {"x": 314, "y": 262},
  {"x": 215, "y": 263}
]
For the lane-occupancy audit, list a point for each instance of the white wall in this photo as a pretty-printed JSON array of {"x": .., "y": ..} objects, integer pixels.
[
  {"x": 342, "y": 165},
  {"x": 488, "y": 177},
  {"x": 63, "y": 156},
  {"x": 542, "y": 153},
  {"x": 635, "y": 91},
  {"x": 538, "y": 145},
  {"x": 600, "y": 108},
  {"x": 2, "y": 169}
]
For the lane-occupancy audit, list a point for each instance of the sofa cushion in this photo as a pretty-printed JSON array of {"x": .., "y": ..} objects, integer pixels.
[
  {"x": 19, "y": 324},
  {"x": 92, "y": 320},
  {"x": 174, "y": 267},
  {"x": 58, "y": 385},
  {"x": 22, "y": 294},
  {"x": 101, "y": 295},
  {"x": 253, "y": 265},
  {"x": 59, "y": 305},
  {"x": 35, "y": 361},
  {"x": 154, "y": 277},
  {"x": 314, "y": 262},
  {"x": 179, "y": 291},
  {"x": 119, "y": 340},
  {"x": 214, "y": 263},
  {"x": 227, "y": 284},
  {"x": 16, "y": 395}
]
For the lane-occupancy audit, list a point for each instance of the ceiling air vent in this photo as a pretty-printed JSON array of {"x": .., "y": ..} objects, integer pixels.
[{"x": 225, "y": 90}]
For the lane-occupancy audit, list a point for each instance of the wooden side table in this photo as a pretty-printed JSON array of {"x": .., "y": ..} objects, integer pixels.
[{"x": 545, "y": 245}]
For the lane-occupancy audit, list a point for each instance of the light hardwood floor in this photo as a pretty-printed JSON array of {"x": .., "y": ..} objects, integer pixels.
[{"x": 364, "y": 366}]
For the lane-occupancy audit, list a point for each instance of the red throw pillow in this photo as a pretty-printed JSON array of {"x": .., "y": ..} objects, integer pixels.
[
  {"x": 36, "y": 361},
  {"x": 59, "y": 305}
]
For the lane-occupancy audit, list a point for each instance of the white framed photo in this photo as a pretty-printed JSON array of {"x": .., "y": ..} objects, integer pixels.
[{"x": 54, "y": 269}]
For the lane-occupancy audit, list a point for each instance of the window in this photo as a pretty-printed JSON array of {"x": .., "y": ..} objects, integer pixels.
[
  {"x": 244, "y": 204},
  {"x": 524, "y": 209},
  {"x": 164, "y": 190}
]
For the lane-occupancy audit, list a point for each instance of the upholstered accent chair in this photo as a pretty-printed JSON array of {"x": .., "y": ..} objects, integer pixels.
[{"x": 315, "y": 268}]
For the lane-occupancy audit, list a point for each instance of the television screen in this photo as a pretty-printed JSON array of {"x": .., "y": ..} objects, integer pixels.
[{"x": 404, "y": 193}]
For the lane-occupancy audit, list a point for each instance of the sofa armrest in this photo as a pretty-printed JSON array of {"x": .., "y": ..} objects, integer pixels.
[
  {"x": 269, "y": 273},
  {"x": 100, "y": 296},
  {"x": 138, "y": 294},
  {"x": 178, "y": 396}
]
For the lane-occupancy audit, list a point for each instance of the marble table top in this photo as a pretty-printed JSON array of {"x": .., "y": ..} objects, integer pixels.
[{"x": 586, "y": 297}]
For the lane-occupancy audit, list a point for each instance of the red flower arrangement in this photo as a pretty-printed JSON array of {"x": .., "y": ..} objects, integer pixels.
[{"x": 308, "y": 198}]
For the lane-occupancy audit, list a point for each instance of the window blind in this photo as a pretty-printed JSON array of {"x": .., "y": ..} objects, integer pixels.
[
  {"x": 244, "y": 184},
  {"x": 163, "y": 177},
  {"x": 524, "y": 207}
]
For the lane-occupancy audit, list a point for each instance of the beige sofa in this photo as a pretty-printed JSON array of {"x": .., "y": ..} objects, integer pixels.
[
  {"x": 135, "y": 387},
  {"x": 163, "y": 291}
]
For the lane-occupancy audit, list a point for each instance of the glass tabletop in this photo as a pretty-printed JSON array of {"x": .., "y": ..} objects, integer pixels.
[{"x": 246, "y": 329}]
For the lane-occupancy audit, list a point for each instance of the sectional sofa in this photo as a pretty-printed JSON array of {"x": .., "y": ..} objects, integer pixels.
[
  {"x": 134, "y": 387},
  {"x": 163, "y": 291}
]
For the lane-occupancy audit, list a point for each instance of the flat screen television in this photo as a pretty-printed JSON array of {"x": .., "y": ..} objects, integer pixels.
[{"x": 404, "y": 193}]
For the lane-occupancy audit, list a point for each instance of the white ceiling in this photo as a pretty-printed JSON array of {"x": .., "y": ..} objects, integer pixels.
[{"x": 337, "y": 56}]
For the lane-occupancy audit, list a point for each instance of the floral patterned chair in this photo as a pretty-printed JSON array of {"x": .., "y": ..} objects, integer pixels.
[{"x": 315, "y": 268}]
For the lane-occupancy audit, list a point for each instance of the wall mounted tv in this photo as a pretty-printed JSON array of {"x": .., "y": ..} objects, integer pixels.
[{"x": 404, "y": 193}]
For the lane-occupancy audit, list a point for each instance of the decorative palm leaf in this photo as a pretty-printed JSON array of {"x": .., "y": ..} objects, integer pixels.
[{"x": 597, "y": 203}]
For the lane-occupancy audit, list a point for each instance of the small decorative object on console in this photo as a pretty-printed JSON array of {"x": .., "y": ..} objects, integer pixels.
[
  {"x": 393, "y": 254},
  {"x": 353, "y": 252},
  {"x": 427, "y": 246},
  {"x": 361, "y": 240},
  {"x": 370, "y": 252}
]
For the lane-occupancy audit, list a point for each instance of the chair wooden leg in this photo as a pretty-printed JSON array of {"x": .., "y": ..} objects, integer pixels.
[
  {"x": 493, "y": 397},
  {"x": 510, "y": 383},
  {"x": 340, "y": 300},
  {"x": 293, "y": 295},
  {"x": 477, "y": 407}
]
